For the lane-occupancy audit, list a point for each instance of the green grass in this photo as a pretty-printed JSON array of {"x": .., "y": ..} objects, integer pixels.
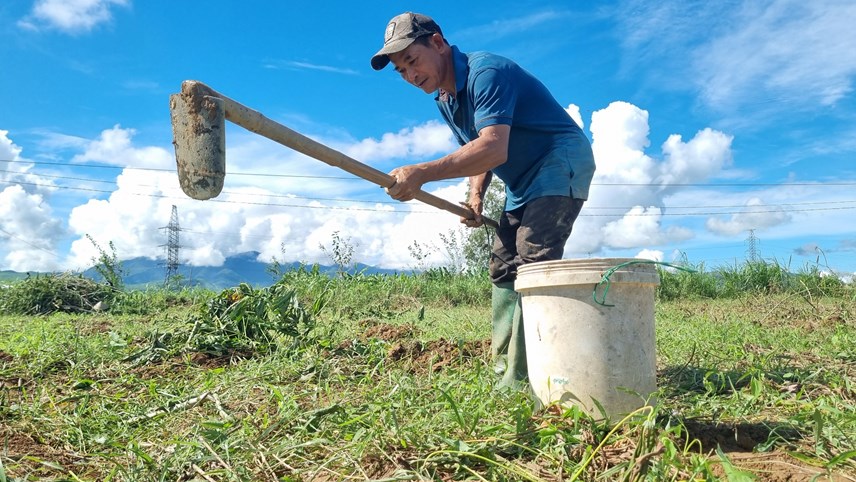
[{"x": 395, "y": 383}]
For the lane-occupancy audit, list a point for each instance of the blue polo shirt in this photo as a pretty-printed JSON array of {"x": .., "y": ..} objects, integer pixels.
[{"x": 548, "y": 153}]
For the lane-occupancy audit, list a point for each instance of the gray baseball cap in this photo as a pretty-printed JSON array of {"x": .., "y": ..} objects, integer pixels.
[{"x": 401, "y": 31}]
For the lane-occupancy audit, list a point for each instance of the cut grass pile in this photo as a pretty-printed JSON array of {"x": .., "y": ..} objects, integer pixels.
[{"x": 394, "y": 382}]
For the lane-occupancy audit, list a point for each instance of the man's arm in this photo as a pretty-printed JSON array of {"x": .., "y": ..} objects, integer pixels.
[{"x": 475, "y": 158}]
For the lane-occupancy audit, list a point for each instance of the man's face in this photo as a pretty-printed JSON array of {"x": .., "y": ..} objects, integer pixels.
[{"x": 420, "y": 65}]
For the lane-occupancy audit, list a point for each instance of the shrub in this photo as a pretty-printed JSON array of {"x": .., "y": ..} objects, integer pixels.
[
  {"x": 759, "y": 277},
  {"x": 816, "y": 283},
  {"x": 45, "y": 294},
  {"x": 675, "y": 284},
  {"x": 248, "y": 319},
  {"x": 153, "y": 300}
]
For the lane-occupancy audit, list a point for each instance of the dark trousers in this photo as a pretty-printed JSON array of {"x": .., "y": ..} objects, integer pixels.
[{"x": 534, "y": 232}]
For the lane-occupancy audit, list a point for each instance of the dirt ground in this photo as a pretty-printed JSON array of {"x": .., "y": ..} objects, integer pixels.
[{"x": 737, "y": 441}]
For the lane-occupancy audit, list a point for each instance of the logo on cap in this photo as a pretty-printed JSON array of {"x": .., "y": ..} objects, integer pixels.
[{"x": 390, "y": 31}]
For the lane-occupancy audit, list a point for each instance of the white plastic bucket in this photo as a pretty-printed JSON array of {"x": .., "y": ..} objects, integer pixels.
[{"x": 581, "y": 352}]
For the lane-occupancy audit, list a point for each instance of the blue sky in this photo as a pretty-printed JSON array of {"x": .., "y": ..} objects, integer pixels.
[{"x": 708, "y": 120}]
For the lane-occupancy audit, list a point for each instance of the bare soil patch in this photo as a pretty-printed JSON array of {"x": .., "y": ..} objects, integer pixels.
[
  {"x": 219, "y": 360},
  {"x": 422, "y": 356},
  {"x": 390, "y": 333},
  {"x": 739, "y": 441},
  {"x": 101, "y": 325},
  {"x": 437, "y": 354},
  {"x": 781, "y": 467},
  {"x": 737, "y": 437},
  {"x": 168, "y": 367},
  {"x": 28, "y": 454}
]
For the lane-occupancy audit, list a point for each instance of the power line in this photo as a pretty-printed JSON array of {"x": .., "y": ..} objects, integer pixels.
[
  {"x": 396, "y": 211},
  {"x": 164, "y": 196},
  {"x": 290, "y": 196},
  {"x": 731, "y": 206},
  {"x": 625, "y": 184},
  {"x": 7, "y": 233},
  {"x": 727, "y": 184},
  {"x": 157, "y": 169},
  {"x": 721, "y": 213}
]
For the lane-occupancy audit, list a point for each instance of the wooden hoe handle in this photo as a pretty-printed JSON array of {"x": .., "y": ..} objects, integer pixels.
[{"x": 256, "y": 122}]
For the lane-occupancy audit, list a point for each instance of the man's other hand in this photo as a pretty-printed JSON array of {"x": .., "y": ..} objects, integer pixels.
[{"x": 477, "y": 219}]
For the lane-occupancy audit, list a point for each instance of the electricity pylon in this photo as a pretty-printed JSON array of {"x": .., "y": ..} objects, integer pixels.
[{"x": 172, "y": 246}]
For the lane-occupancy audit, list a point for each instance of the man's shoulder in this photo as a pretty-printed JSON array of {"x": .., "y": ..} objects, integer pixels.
[{"x": 483, "y": 59}]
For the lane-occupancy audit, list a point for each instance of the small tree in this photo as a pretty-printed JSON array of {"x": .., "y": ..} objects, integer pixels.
[
  {"x": 276, "y": 268},
  {"x": 108, "y": 265},
  {"x": 420, "y": 253},
  {"x": 466, "y": 250},
  {"x": 454, "y": 244},
  {"x": 341, "y": 252},
  {"x": 479, "y": 241}
]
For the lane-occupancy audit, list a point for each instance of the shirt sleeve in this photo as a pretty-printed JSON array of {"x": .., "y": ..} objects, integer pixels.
[{"x": 494, "y": 98}]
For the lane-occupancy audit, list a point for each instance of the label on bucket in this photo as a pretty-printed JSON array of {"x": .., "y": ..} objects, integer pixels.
[{"x": 558, "y": 380}]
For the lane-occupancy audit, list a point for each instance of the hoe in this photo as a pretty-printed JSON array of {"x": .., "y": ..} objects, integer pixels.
[{"x": 198, "y": 124}]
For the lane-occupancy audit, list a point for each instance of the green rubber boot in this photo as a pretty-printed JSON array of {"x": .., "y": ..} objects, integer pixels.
[{"x": 507, "y": 344}]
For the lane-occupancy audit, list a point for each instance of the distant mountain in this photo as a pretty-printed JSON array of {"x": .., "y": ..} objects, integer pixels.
[
  {"x": 240, "y": 268},
  {"x": 6, "y": 276}
]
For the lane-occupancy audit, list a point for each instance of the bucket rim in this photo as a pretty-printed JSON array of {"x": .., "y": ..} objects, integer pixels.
[
  {"x": 585, "y": 271},
  {"x": 594, "y": 263}
]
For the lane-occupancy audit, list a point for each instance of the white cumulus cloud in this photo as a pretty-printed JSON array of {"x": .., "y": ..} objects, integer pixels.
[
  {"x": 290, "y": 219},
  {"x": 755, "y": 215},
  {"x": 29, "y": 232},
  {"x": 70, "y": 16},
  {"x": 703, "y": 157},
  {"x": 573, "y": 110},
  {"x": 427, "y": 139},
  {"x": 293, "y": 217},
  {"x": 14, "y": 168},
  {"x": 641, "y": 227},
  {"x": 631, "y": 188},
  {"x": 650, "y": 254}
]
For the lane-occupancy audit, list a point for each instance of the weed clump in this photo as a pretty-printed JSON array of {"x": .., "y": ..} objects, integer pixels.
[
  {"x": 248, "y": 319},
  {"x": 50, "y": 293},
  {"x": 240, "y": 321}
]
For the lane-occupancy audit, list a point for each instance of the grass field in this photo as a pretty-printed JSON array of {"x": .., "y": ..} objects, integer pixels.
[{"x": 389, "y": 378}]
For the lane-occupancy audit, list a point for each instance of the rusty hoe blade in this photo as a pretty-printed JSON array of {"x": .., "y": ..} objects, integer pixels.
[{"x": 199, "y": 137}]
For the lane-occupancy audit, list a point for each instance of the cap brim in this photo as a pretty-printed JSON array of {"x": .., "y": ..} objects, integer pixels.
[{"x": 381, "y": 58}]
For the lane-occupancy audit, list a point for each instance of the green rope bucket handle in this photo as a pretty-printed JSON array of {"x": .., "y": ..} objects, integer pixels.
[{"x": 605, "y": 282}]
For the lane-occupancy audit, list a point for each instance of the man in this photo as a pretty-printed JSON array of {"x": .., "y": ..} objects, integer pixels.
[{"x": 507, "y": 124}]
